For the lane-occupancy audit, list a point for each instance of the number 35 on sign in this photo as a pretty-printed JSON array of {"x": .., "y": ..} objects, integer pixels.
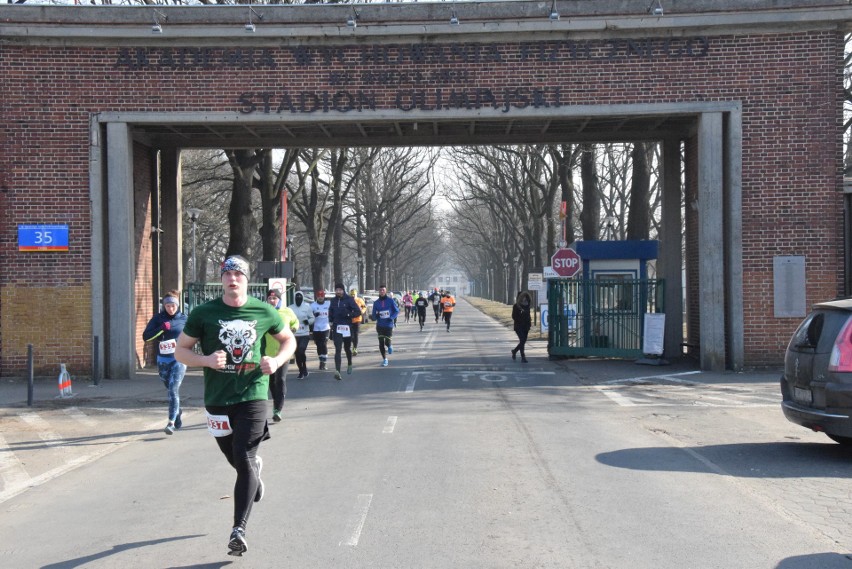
[{"x": 42, "y": 238}]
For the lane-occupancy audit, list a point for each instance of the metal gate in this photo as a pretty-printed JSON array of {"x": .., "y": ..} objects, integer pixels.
[{"x": 600, "y": 317}]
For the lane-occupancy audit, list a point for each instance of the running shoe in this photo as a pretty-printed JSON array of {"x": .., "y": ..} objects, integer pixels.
[
  {"x": 306, "y": 374},
  {"x": 276, "y": 415},
  {"x": 170, "y": 429},
  {"x": 337, "y": 375},
  {"x": 300, "y": 376},
  {"x": 258, "y": 496},
  {"x": 237, "y": 544},
  {"x": 322, "y": 366},
  {"x": 349, "y": 369},
  {"x": 354, "y": 351},
  {"x": 385, "y": 362},
  {"x": 390, "y": 349},
  {"x": 179, "y": 420}
]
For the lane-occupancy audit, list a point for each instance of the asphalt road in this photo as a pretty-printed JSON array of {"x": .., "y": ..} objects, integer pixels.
[{"x": 452, "y": 456}]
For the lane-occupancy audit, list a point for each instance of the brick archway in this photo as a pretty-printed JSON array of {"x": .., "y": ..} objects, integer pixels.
[{"x": 753, "y": 95}]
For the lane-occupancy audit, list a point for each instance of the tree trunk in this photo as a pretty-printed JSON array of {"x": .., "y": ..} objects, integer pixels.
[
  {"x": 270, "y": 201},
  {"x": 590, "y": 216},
  {"x": 639, "y": 220},
  {"x": 240, "y": 217}
]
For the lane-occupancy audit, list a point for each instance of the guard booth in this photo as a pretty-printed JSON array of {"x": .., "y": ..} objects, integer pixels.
[{"x": 602, "y": 313}]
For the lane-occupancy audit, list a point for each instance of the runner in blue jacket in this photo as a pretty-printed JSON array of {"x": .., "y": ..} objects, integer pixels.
[
  {"x": 165, "y": 327},
  {"x": 385, "y": 312}
]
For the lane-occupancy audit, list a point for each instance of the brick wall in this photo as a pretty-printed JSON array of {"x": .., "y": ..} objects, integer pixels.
[
  {"x": 144, "y": 174},
  {"x": 789, "y": 85}
]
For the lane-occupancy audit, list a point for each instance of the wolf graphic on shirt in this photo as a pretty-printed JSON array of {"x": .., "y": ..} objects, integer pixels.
[{"x": 238, "y": 337}]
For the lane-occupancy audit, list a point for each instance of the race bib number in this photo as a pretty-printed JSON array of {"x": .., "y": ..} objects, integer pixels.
[
  {"x": 168, "y": 346},
  {"x": 219, "y": 425},
  {"x": 302, "y": 329},
  {"x": 448, "y": 304},
  {"x": 384, "y": 314},
  {"x": 343, "y": 330}
]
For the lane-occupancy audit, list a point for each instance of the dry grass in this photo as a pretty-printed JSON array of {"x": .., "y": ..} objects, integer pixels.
[{"x": 502, "y": 313}]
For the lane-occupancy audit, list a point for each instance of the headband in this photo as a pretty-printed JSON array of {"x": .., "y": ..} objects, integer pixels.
[{"x": 235, "y": 264}]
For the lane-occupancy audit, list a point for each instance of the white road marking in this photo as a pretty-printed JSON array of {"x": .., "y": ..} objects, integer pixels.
[
  {"x": 356, "y": 525},
  {"x": 45, "y": 433},
  {"x": 410, "y": 387},
  {"x": 20, "y": 486},
  {"x": 675, "y": 396},
  {"x": 617, "y": 397},
  {"x": 12, "y": 471},
  {"x": 80, "y": 417},
  {"x": 670, "y": 377},
  {"x": 390, "y": 424}
]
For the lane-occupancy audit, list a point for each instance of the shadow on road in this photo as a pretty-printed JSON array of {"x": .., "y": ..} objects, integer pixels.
[
  {"x": 70, "y": 563},
  {"x": 747, "y": 460},
  {"x": 821, "y": 560}
]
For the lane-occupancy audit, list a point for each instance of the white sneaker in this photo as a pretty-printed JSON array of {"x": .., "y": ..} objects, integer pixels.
[{"x": 385, "y": 362}]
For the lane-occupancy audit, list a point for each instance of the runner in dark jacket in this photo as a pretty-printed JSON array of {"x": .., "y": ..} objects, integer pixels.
[{"x": 343, "y": 310}]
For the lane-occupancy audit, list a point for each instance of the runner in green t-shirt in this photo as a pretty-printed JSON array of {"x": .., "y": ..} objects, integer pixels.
[{"x": 236, "y": 379}]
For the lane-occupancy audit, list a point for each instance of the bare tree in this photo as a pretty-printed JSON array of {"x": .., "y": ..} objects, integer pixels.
[{"x": 391, "y": 203}]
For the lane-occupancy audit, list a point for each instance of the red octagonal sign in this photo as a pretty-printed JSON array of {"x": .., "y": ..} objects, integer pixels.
[{"x": 566, "y": 262}]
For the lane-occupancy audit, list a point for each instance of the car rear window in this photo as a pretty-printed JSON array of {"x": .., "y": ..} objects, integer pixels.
[{"x": 819, "y": 330}]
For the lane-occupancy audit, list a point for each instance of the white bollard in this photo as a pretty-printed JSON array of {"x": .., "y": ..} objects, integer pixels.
[{"x": 64, "y": 382}]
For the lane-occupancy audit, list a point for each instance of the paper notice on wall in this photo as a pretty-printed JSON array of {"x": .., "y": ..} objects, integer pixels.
[{"x": 653, "y": 334}]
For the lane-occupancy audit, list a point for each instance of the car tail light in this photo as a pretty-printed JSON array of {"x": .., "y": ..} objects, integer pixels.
[{"x": 841, "y": 353}]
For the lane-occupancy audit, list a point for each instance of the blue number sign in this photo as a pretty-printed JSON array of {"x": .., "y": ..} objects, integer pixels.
[{"x": 42, "y": 238}]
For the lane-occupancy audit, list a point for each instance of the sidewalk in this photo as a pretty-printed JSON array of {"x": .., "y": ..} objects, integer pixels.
[{"x": 122, "y": 393}]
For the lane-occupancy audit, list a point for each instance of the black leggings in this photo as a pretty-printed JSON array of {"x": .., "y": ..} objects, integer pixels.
[
  {"x": 301, "y": 352},
  {"x": 355, "y": 328},
  {"x": 321, "y": 340},
  {"x": 522, "y": 340},
  {"x": 278, "y": 386},
  {"x": 248, "y": 421},
  {"x": 384, "y": 338},
  {"x": 346, "y": 342}
]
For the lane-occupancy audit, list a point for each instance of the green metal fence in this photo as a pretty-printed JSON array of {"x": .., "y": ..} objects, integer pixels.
[
  {"x": 199, "y": 293},
  {"x": 601, "y": 317}
]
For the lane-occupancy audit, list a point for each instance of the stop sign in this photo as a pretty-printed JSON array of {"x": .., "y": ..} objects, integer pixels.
[{"x": 566, "y": 262}]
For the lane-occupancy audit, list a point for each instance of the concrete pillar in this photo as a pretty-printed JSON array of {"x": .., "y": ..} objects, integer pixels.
[
  {"x": 97, "y": 174},
  {"x": 671, "y": 249},
  {"x": 171, "y": 239},
  {"x": 734, "y": 318},
  {"x": 120, "y": 301},
  {"x": 711, "y": 266}
]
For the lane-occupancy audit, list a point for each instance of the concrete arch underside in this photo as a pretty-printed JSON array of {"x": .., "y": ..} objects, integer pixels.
[{"x": 139, "y": 152}]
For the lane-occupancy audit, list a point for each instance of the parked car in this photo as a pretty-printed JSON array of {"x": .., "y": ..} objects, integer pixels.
[
  {"x": 369, "y": 300},
  {"x": 817, "y": 383}
]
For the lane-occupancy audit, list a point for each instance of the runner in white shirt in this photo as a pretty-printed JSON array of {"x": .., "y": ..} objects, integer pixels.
[{"x": 320, "y": 308}]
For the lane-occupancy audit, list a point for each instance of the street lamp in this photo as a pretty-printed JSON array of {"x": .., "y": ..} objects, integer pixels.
[
  {"x": 609, "y": 231},
  {"x": 194, "y": 213},
  {"x": 506, "y": 273}
]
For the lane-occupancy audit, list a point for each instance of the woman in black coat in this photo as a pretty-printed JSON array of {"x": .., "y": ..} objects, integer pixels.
[{"x": 523, "y": 322}]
